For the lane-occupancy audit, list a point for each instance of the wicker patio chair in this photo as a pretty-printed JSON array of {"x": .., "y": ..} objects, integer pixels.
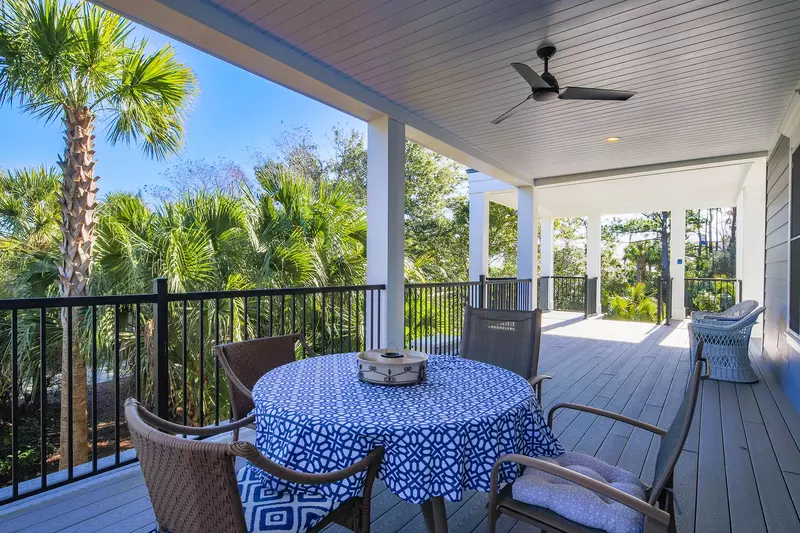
[
  {"x": 592, "y": 498},
  {"x": 741, "y": 309},
  {"x": 508, "y": 339},
  {"x": 245, "y": 362},
  {"x": 194, "y": 486},
  {"x": 726, "y": 346}
]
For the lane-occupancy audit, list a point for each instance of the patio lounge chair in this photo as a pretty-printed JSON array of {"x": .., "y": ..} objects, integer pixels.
[
  {"x": 245, "y": 362},
  {"x": 600, "y": 497},
  {"x": 508, "y": 339},
  {"x": 741, "y": 309},
  {"x": 726, "y": 345},
  {"x": 194, "y": 486}
]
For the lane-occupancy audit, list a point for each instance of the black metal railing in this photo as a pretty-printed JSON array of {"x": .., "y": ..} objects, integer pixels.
[
  {"x": 664, "y": 301},
  {"x": 434, "y": 314},
  {"x": 155, "y": 347},
  {"x": 508, "y": 293},
  {"x": 569, "y": 293},
  {"x": 711, "y": 294}
]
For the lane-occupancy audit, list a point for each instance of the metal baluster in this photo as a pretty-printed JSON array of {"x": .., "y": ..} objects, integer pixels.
[
  {"x": 138, "y": 353},
  {"x": 202, "y": 358},
  {"x": 341, "y": 322},
  {"x": 258, "y": 316},
  {"x": 43, "y": 394},
  {"x": 283, "y": 302},
  {"x": 94, "y": 388},
  {"x": 246, "y": 336},
  {"x": 14, "y": 407},
  {"x": 216, "y": 360},
  {"x": 70, "y": 406},
  {"x": 293, "y": 314},
  {"x": 184, "y": 352},
  {"x": 350, "y": 321},
  {"x": 116, "y": 386},
  {"x": 305, "y": 336},
  {"x": 322, "y": 296}
]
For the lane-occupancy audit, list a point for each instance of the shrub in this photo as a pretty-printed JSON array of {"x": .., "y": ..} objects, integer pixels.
[{"x": 637, "y": 305}]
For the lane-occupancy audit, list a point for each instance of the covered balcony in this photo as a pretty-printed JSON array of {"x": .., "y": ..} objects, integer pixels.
[{"x": 714, "y": 122}]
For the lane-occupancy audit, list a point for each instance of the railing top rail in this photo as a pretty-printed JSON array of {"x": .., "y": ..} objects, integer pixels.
[
  {"x": 712, "y": 279},
  {"x": 242, "y": 293},
  {"x": 495, "y": 281},
  {"x": 443, "y": 284},
  {"x": 75, "y": 301},
  {"x": 567, "y": 277}
]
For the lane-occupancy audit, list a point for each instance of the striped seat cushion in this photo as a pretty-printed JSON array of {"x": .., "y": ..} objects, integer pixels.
[{"x": 269, "y": 511}]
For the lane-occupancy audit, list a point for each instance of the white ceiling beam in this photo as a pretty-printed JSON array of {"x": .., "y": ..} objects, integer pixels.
[{"x": 659, "y": 168}]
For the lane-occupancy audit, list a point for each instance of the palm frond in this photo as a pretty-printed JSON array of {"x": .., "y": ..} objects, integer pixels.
[{"x": 149, "y": 103}]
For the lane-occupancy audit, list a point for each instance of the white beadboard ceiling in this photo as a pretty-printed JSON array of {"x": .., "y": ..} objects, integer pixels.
[{"x": 713, "y": 77}]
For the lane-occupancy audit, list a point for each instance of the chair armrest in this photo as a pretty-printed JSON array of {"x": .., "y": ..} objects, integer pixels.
[
  {"x": 608, "y": 414},
  {"x": 592, "y": 484},
  {"x": 715, "y": 326},
  {"x": 371, "y": 462},
  {"x": 205, "y": 431},
  {"x": 305, "y": 345},
  {"x": 536, "y": 383}
]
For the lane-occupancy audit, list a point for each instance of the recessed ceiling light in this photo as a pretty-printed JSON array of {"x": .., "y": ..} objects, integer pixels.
[{"x": 612, "y": 139}]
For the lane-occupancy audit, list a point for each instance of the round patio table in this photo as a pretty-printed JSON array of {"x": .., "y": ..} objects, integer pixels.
[{"x": 440, "y": 438}]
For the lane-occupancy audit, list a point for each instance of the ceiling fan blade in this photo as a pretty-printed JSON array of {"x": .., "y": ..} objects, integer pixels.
[
  {"x": 510, "y": 112},
  {"x": 533, "y": 79},
  {"x": 586, "y": 93}
]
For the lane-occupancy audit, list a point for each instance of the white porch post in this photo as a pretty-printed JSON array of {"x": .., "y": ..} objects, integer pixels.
[
  {"x": 546, "y": 243},
  {"x": 750, "y": 230},
  {"x": 677, "y": 261},
  {"x": 386, "y": 227},
  {"x": 593, "y": 254},
  {"x": 527, "y": 239},
  {"x": 478, "y": 235}
]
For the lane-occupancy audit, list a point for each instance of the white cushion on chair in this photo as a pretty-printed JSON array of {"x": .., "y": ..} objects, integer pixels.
[{"x": 580, "y": 504}]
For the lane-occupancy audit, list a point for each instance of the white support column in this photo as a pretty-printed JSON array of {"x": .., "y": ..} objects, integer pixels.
[
  {"x": 478, "y": 235},
  {"x": 677, "y": 261},
  {"x": 527, "y": 264},
  {"x": 593, "y": 254},
  {"x": 546, "y": 244},
  {"x": 751, "y": 228},
  {"x": 386, "y": 227}
]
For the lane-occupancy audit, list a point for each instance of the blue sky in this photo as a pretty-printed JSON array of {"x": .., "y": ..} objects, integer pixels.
[{"x": 235, "y": 113}]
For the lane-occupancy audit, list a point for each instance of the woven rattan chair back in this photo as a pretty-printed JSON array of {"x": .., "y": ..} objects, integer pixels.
[
  {"x": 192, "y": 484},
  {"x": 245, "y": 362},
  {"x": 508, "y": 339},
  {"x": 672, "y": 443}
]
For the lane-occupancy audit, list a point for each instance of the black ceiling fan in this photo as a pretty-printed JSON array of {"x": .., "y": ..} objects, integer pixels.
[{"x": 545, "y": 87}]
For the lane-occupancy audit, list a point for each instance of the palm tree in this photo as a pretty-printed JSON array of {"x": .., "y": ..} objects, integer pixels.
[{"x": 78, "y": 63}]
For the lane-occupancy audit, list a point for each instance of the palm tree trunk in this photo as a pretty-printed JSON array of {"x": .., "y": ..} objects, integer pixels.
[{"x": 78, "y": 204}]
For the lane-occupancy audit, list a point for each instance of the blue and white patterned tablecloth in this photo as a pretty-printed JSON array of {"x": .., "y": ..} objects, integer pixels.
[{"x": 441, "y": 437}]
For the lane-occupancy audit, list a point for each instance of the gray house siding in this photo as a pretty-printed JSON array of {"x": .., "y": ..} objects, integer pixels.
[{"x": 784, "y": 360}]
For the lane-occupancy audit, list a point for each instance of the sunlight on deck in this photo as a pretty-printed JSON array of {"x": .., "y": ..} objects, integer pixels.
[{"x": 573, "y": 325}]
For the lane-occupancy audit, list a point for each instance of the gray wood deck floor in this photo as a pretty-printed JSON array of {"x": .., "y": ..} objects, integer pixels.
[{"x": 739, "y": 472}]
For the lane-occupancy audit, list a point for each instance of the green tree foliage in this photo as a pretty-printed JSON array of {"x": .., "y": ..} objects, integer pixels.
[
  {"x": 569, "y": 249},
  {"x": 636, "y": 305},
  {"x": 78, "y": 64}
]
